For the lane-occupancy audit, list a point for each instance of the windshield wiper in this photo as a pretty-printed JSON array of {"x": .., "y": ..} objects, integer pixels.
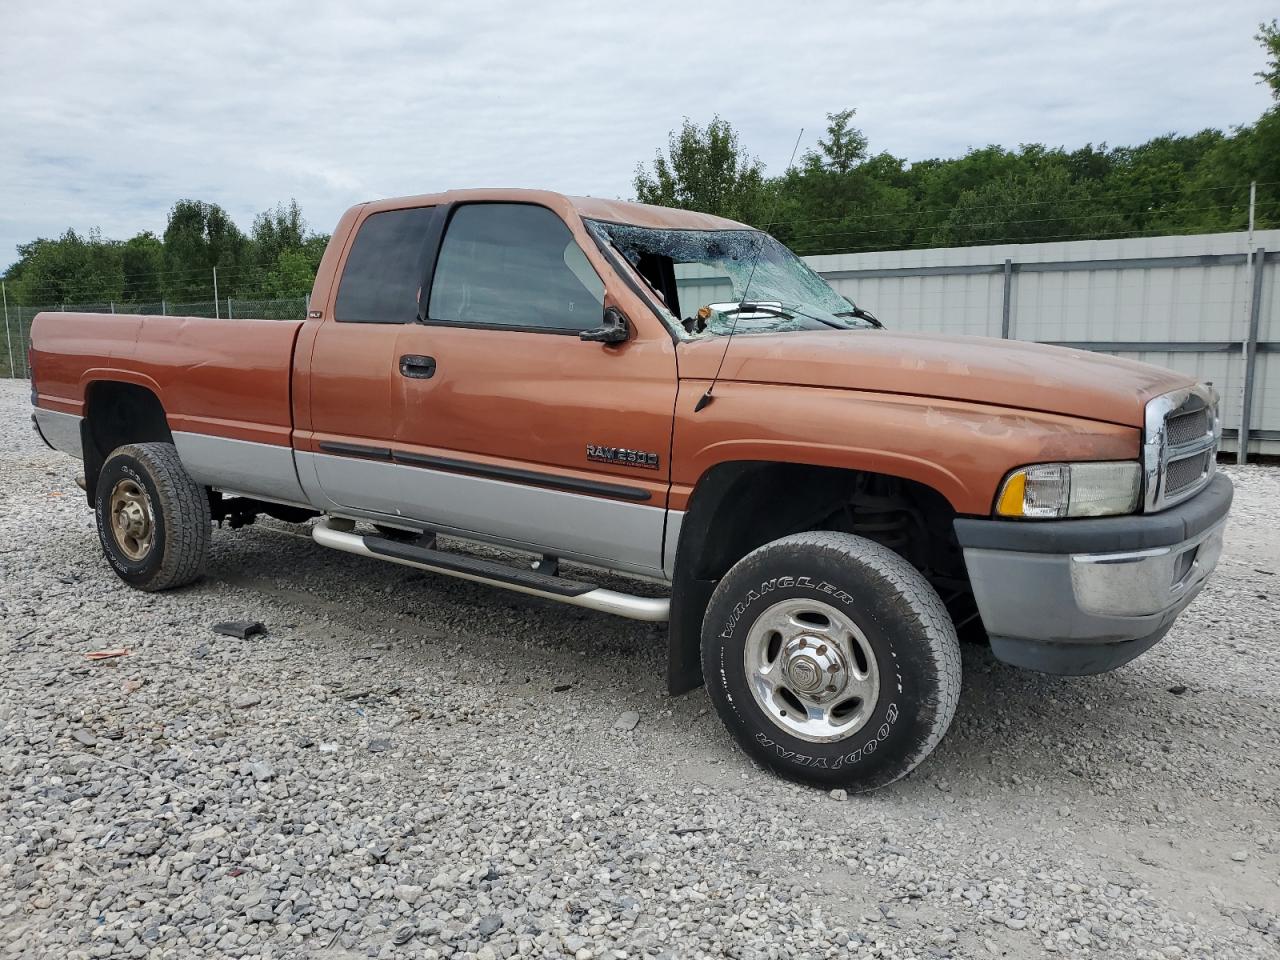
[
  {"x": 775, "y": 308},
  {"x": 788, "y": 311},
  {"x": 823, "y": 320},
  {"x": 861, "y": 314}
]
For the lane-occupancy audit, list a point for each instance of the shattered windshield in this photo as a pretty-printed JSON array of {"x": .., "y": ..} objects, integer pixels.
[{"x": 710, "y": 279}]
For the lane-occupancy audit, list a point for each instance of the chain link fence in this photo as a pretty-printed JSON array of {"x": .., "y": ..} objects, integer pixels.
[{"x": 17, "y": 319}]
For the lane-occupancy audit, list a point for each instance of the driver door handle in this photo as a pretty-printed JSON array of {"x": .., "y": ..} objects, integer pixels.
[{"x": 417, "y": 367}]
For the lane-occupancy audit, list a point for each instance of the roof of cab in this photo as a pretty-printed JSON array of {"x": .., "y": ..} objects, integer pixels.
[
  {"x": 648, "y": 215},
  {"x": 594, "y": 208}
]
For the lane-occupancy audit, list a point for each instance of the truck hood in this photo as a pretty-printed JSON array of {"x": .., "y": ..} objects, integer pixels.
[{"x": 1006, "y": 373}]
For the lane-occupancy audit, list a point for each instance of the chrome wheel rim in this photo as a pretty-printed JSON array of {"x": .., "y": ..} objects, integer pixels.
[
  {"x": 811, "y": 670},
  {"x": 132, "y": 522}
]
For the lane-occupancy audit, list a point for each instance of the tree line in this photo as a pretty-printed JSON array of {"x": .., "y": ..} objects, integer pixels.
[
  {"x": 277, "y": 258},
  {"x": 841, "y": 197}
]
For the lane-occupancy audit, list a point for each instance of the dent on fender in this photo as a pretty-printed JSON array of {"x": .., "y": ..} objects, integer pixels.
[
  {"x": 959, "y": 449},
  {"x": 1054, "y": 436}
]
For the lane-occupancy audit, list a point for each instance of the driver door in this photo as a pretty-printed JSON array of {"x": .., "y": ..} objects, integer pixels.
[{"x": 508, "y": 425}]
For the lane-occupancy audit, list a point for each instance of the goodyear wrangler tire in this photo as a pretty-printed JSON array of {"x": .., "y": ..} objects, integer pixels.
[
  {"x": 831, "y": 660},
  {"x": 153, "y": 519}
]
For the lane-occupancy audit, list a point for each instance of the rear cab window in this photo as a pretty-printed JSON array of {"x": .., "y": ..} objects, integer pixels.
[{"x": 385, "y": 268}]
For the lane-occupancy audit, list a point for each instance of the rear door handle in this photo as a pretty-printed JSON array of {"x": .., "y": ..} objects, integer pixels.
[{"x": 417, "y": 367}]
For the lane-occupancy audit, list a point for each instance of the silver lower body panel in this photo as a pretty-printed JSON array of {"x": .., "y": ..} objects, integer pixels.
[
  {"x": 597, "y": 531},
  {"x": 240, "y": 466},
  {"x": 60, "y": 430}
]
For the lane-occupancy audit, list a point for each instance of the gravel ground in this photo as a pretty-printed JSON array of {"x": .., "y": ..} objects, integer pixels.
[{"x": 413, "y": 766}]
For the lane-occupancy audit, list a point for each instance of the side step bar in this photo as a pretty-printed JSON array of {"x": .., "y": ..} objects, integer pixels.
[{"x": 495, "y": 574}]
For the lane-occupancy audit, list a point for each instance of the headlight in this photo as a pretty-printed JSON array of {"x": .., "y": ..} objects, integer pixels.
[{"x": 1051, "y": 490}]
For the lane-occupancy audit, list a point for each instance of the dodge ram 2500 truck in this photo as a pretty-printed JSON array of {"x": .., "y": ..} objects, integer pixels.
[{"x": 676, "y": 397}]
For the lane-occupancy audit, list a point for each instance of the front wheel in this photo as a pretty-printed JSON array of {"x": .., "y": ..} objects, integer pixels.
[
  {"x": 153, "y": 519},
  {"x": 831, "y": 660}
]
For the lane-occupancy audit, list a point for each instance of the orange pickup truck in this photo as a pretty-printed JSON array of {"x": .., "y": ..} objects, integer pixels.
[{"x": 675, "y": 397}]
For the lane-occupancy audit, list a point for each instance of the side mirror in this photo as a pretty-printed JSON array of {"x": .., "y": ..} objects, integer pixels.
[{"x": 613, "y": 329}]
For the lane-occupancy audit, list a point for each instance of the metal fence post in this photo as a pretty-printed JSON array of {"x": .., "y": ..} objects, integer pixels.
[
  {"x": 1008, "y": 297},
  {"x": 1251, "y": 355},
  {"x": 4, "y": 294},
  {"x": 229, "y": 308},
  {"x": 216, "y": 313}
]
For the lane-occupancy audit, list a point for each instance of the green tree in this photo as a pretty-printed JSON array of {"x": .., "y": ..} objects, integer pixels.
[
  {"x": 704, "y": 170},
  {"x": 1026, "y": 208},
  {"x": 840, "y": 197},
  {"x": 1157, "y": 187},
  {"x": 277, "y": 230},
  {"x": 285, "y": 254},
  {"x": 199, "y": 237},
  {"x": 845, "y": 146},
  {"x": 71, "y": 269},
  {"x": 290, "y": 276},
  {"x": 1269, "y": 36},
  {"x": 142, "y": 264}
]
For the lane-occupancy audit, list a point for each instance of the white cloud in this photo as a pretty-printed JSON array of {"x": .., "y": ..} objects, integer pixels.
[{"x": 111, "y": 112}]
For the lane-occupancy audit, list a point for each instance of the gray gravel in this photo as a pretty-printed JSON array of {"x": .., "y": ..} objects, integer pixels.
[{"x": 409, "y": 766}]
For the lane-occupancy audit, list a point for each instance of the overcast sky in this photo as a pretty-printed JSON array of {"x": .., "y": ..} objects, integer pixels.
[{"x": 109, "y": 112}]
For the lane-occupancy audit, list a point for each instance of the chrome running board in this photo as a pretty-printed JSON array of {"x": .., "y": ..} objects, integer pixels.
[{"x": 493, "y": 573}]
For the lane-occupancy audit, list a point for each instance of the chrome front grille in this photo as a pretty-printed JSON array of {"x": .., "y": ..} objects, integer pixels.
[
  {"x": 1182, "y": 428},
  {"x": 1180, "y": 445},
  {"x": 1184, "y": 473}
]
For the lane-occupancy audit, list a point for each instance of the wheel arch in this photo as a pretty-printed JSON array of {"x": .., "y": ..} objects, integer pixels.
[
  {"x": 814, "y": 455},
  {"x": 739, "y": 505},
  {"x": 118, "y": 412}
]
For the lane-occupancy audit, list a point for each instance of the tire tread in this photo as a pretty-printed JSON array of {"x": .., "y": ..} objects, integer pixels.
[
  {"x": 916, "y": 600},
  {"x": 185, "y": 506},
  {"x": 929, "y": 611}
]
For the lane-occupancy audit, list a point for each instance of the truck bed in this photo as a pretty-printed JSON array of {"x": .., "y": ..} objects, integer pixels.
[
  {"x": 223, "y": 378},
  {"x": 225, "y": 387}
]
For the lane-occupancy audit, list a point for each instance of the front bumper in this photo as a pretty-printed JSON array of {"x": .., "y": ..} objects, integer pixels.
[{"x": 1078, "y": 597}]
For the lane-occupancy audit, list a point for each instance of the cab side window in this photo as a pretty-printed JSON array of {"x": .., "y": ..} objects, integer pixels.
[
  {"x": 514, "y": 266},
  {"x": 385, "y": 268}
]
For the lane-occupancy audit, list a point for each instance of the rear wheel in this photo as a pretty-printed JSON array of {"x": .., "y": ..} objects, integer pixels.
[
  {"x": 831, "y": 660},
  {"x": 153, "y": 519}
]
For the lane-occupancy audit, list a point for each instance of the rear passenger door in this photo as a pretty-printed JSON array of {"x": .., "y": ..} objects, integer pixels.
[
  {"x": 354, "y": 385},
  {"x": 513, "y": 427}
]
